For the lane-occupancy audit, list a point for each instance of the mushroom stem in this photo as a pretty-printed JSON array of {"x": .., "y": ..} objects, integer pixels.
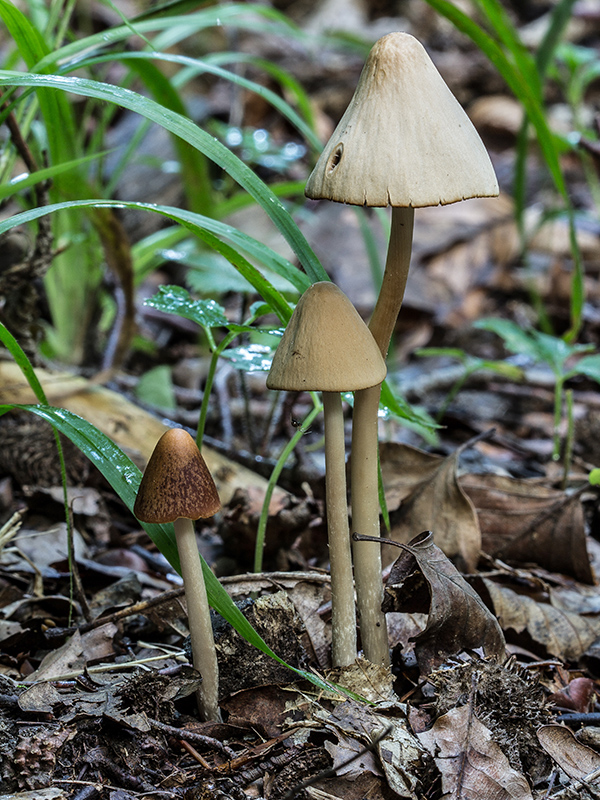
[
  {"x": 343, "y": 613},
  {"x": 364, "y": 461},
  {"x": 201, "y": 633},
  {"x": 395, "y": 275}
]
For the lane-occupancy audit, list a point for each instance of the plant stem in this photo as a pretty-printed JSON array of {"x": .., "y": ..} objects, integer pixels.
[
  {"x": 201, "y": 633},
  {"x": 558, "y": 403},
  {"x": 568, "y": 453},
  {"x": 364, "y": 462},
  {"x": 285, "y": 453},
  {"x": 210, "y": 378},
  {"x": 343, "y": 614}
]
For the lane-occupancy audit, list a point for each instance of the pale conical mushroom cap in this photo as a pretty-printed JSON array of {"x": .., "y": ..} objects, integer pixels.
[
  {"x": 404, "y": 140},
  {"x": 326, "y": 346},
  {"x": 176, "y": 482}
]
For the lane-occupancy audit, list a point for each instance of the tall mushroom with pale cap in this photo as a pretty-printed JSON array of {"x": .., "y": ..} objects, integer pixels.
[
  {"x": 328, "y": 348},
  {"x": 177, "y": 487},
  {"x": 403, "y": 141}
]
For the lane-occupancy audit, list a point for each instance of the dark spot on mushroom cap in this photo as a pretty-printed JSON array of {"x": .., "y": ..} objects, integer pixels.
[{"x": 335, "y": 158}]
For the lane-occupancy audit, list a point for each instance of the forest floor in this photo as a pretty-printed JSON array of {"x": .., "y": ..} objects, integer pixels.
[{"x": 97, "y": 695}]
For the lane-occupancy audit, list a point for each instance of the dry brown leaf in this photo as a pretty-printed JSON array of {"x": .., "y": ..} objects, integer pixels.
[
  {"x": 524, "y": 522},
  {"x": 472, "y": 765},
  {"x": 423, "y": 579},
  {"x": 576, "y": 759},
  {"x": 430, "y": 498},
  {"x": 560, "y": 633},
  {"x": 398, "y": 748}
]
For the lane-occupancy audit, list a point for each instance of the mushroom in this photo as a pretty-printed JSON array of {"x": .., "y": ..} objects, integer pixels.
[
  {"x": 178, "y": 487},
  {"x": 403, "y": 141},
  {"x": 327, "y": 347}
]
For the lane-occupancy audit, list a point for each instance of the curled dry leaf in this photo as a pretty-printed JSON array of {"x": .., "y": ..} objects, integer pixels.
[
  {"x": 576, "y": 759},
  {"x": 472, "y": 765},
  {"x": 400, "y": 752},
  {"x": 555, "y": 631},
  {"x": 524, "y": 522},
  {"x": 424, "y": 579},
  {"x": 577, "y": 695},
  {"x": 429, "y": 497}
]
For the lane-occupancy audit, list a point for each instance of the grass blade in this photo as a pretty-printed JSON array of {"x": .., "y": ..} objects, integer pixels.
[
  {"x": 205, "y": 229},
  {"x": 187, "y": 130}
]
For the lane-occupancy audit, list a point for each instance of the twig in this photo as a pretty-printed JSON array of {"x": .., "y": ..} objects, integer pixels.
[
  {"x": 132, "y": 610},
  {"x": 191, "y": 736}
]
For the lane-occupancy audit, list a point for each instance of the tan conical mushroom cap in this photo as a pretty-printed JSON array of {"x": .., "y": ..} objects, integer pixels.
[
  {"x": 404, "y": 140},
  {"x": 326, "y": 346},
  {"x": 176, "y": 483}
]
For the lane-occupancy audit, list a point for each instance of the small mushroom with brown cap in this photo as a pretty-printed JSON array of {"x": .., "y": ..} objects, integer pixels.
[
  {"x": 327, "y": 347},
  {"x": 403, "y": 141},
  {"x": 177, "y": 487}
]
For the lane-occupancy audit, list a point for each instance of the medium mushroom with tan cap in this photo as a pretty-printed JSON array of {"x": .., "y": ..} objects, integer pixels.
[
  {"x": 327, "y": 347},
  {"x": 403, "y": 141},
  {"x": 178, "y": 487}
]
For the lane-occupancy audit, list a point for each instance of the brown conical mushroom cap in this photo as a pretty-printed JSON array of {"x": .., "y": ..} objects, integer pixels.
[
  {"x": 326, "y": 346},
  {"x": 176, "y": 483},
  {"x": 404, "y": 140}
]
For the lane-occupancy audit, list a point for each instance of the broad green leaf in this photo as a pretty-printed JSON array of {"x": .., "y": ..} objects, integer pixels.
[
  {"x": 177, "y": 300},
  {"x": 515, "y": 339},
  {"x": 588, "y": 366},
  {"x": 595, "y": 477},
  {"x": 540, "y": 347},
  {"x": 555, "y": 351},
  {"x": 155, "y": 388},
  {"x": 250, "y": 358},
  {"x": 187, "y": 130}
]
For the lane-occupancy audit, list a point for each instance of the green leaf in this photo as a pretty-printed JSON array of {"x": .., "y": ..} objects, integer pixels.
[
  {"x": 177, "y": 300},
  {"x": 155, "y": 388},
  {"x": 555, "y": 351},
  {"x": 515, "y": 339},
  {"x": 588, "y": 366},
  {"x": 416, "y": 419},
  {"x": 595, "y": 477},
  {"x": 250, "y": 358}
]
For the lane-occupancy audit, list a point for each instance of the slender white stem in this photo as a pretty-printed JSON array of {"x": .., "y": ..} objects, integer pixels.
[
  {"x": 203, "y": 645},
  {"x": 343, "y": 614},
  {"x": 364, "y": 461}
]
